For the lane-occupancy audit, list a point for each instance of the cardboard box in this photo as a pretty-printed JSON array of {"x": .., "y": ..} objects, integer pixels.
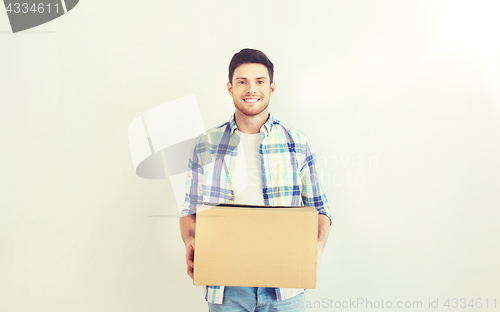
[{"x": 256, "y": 246}]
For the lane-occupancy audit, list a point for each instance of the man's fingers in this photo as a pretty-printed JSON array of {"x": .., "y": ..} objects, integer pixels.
[
  {"x": 190, "y": 258},
  {"x": 190, "y": 271},
  {"x": 318, "y": 258},
  {"x": 189, "y": 255}
]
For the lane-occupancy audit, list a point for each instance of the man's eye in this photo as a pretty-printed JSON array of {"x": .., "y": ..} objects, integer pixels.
[
  {"x": 260, "y": 82},
  {"x": 241, "y": 82}
]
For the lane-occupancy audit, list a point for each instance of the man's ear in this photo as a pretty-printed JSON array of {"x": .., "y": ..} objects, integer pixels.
[
  {"x": 230, "y": 89},
  {"x": 273, "y": 87}
]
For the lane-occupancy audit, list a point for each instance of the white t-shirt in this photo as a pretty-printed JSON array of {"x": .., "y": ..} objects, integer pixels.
[{"x": 248, "y": 177}]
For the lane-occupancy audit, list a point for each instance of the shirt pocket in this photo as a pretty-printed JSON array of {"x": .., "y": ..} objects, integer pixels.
[
  {"x": 216, "y": 184},
  {"x": 282, "y": 174},
  {"x": 285, "y": 183}
]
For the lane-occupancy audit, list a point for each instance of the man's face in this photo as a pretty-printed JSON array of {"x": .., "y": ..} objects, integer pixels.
[{"x": 251, "y": 89}]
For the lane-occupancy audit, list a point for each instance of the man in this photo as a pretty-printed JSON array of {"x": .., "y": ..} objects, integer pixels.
[{"x": 252, "y": 159}]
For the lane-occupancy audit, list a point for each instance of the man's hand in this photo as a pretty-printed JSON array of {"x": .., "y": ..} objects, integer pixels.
[
  {"x": 323, "y": 230},
  {"x": 318, "y": 258},
  {"x": 188, "y": 226},
  {"x": 190, "y": 258}
]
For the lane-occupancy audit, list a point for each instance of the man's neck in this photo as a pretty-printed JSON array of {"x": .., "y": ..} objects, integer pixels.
[{"x": 250, "y": 124}]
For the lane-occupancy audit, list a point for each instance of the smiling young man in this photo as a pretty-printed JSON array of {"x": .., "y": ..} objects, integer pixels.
[
  {"x": 251, "y": 89},
  {"x": 252, "y": 159}
]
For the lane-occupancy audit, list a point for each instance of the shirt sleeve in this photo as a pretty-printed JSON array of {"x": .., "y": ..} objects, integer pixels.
[
  {"x": 194, "y": 183},
  {"x": 312, "y": 191}
]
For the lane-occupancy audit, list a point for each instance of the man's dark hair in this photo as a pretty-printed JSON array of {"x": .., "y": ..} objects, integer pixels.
[{"x": 250, "y": 56}]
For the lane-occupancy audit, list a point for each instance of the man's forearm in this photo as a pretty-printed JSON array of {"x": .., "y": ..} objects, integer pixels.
[
  {"x": 188, "y": 226},
  {"x": 323, "y": 230}
]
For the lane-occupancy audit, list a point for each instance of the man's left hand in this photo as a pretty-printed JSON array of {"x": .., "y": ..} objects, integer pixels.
[{"x": 318, "y": 258}]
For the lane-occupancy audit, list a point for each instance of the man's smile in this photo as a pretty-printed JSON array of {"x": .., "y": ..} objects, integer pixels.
[{"x": 251, "y": 100}]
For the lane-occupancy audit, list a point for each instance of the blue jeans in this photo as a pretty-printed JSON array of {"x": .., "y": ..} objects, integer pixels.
[{"x": 256, "y": 299}]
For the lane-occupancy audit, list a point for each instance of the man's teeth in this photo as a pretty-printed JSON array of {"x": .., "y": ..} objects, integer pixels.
[{"x": 251, "y": 100}]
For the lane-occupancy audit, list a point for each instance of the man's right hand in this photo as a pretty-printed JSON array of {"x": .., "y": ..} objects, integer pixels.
[
  {"x": 190, "y": 258},
  {"x": 188, "y": 226}
]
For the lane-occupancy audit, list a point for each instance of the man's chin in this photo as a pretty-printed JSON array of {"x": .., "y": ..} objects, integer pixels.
[
  {"x": 251, "y": 110},
  {"x": 253, "y": 113}
]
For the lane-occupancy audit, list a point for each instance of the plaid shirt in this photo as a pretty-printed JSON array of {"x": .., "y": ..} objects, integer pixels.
[{"x": 289, "y": 176}]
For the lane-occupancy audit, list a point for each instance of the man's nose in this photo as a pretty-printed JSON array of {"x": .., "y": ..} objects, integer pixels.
[{"x": 252, "y": 87}]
